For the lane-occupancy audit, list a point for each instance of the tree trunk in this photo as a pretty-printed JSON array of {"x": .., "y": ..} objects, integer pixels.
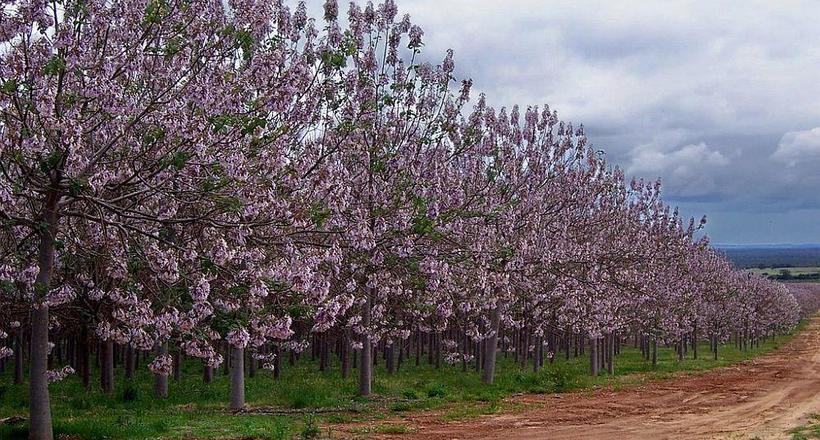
[
  {"x": 251, "y": 366},
  {"x": 465, "y": 349},
  {"x": 430, "y": 342},
  {"x": 277, "y": 363},
  {"x": 366, "y": 367},
  {"x": 130, "y": 363},
  {"x": 593, "y": 356},
  {"x": 491, "y": 347},
  {"x": 107, "y": 366},
  {"x": 418, "y": 348},
  {"x": 567, "y": 348},
  {"x": 654, "y": 353},
  {"x": 39, "y": 405},
  {"x": 610, "y": 359},
  {"x": 40, "y": 409},
  {"x": 345, "y": 355},
  {"x": 391, "y": 358},
  {"x": 207, "y": 373},
  {"x": 177, "y": 365},
  {"x": 85, "y": 359},
  {"x": 18, "y": 358},
  {"x": 161, "y": 380},
  {"x": 237, "y": 378}
]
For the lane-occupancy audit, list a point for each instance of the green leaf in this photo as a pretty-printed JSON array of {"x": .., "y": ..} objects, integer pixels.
[
  {"x": 9, "y": 86},
  {"x": 54, "y": 66},
  {"x": 319, "y": 214}
]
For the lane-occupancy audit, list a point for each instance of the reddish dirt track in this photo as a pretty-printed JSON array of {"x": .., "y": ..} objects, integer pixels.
[{"x": 763, "y": 398}]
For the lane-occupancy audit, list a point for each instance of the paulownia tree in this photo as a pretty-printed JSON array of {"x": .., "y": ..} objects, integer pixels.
[{"x": 134, "y": 120}]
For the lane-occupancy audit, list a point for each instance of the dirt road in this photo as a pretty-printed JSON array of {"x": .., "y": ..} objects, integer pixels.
[{"x": 761, "y": 398}]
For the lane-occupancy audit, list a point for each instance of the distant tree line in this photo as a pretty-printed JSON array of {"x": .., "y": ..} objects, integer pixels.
[
  {"x": 767, "y": 257},
  {"x": 787, "y": 275}
]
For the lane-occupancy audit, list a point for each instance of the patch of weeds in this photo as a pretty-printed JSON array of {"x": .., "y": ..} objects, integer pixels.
[
  {"x": 460, "y": 413},
  {"x": 160, "y": 425},
  {"x": 400, "y": 407},
  {"x": 560, "y": 377},
  {"x": 299, "y": 402},
  {"x": 338, "y": 418},
  {"x": 436, "y": 390},
  {"x": 394, "y": 429},
  {"x": 130, "y": 393},
  {"x": 410, "y": 394},
  {"x": 310, "y": 429},
  {"x": 80, "y": 403},
  {"x": 279, "y": 431},
  {"x": 808, "y": 431},
  {"x": 123, "y": 420},
  {"x": 492, "y": 407}
]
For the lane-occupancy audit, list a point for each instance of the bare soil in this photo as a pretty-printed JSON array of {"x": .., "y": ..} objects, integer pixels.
[{"x": 761, "y": 398}]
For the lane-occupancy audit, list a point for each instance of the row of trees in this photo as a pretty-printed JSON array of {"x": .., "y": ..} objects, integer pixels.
[{"x": 191, "y": 173}]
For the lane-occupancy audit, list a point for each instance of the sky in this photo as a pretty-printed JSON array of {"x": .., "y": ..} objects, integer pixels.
[{"x": 719, "y": 99}]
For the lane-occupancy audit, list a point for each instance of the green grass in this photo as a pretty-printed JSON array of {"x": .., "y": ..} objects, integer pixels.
[
  {"x": 793, "y": 270},
  {"x": 810, "y": 430},
  {"x": 197, "y": 410}
]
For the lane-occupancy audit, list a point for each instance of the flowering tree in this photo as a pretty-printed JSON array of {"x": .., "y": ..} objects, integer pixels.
[
  {"x": 190, "y": 172},
  {"x": 138, "y": 121},
  {"x": 390, "y": 118}
]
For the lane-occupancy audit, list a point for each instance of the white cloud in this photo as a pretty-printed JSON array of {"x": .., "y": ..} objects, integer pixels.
[{"x": 797, "y": 146}]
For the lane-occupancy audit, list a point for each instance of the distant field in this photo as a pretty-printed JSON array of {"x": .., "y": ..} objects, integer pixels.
[
  {"x": 808, "y": 274},
  {"x": 792, "y": 270},
  {"x": 773, "y": 256}
]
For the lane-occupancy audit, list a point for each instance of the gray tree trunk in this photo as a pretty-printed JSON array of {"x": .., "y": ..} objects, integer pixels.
[
  {"x": 251, "y": 366},
  {"x": 654, "y": 352},
  {"x": 161, "y": 380},
  {"x": 237, "y": 378},
  {"x": 277, "y": 363},
  {"x": 177, "y": 365},
  {"x": 391, "y": 359},
  {"x": 18, "y": 358},
  {"x": 130, "y": 362},
  {"x": 345, "y": 357},
  {"x": 39, "y": 405},
  {"x": 366, "y": 364},
  {"x": 40, "y": 408},
  {"x": 491, "y": 347},
  {"x": 610, "y": 360},
  {"x": 207, "y": 373},
  {"x": 593, "y": 356},
  {"x": 107, "y": 366},
  {"x": 695, "y": 341}
]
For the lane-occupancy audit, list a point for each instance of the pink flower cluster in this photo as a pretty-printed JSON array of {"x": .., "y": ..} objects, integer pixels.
[
  {"x": 161, "y": 365},
  {"x": 58, "y": 375}
]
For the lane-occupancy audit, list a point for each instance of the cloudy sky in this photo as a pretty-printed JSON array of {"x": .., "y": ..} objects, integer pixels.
[{"x": 720, "y": 99}]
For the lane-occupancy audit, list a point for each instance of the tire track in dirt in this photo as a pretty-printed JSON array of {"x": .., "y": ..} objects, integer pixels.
[{"x": 763, "y": 397}]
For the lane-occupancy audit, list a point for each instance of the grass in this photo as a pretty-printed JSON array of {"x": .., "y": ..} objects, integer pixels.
[
  {"x": 197, "y": 410},
  {"x": 810, "y": 430},
  {"x": 793, "y": 270}
]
